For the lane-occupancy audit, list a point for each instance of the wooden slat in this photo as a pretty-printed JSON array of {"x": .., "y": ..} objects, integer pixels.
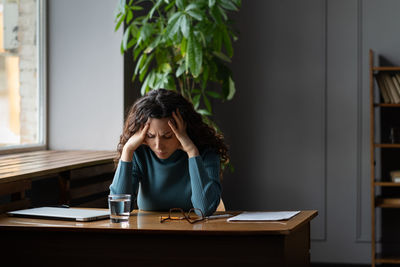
[
  {"x": 6, "y": 159},
  {"x": 387, "y": 202},
  {"x": 387, "y": 259},
  {"x": 26, "y": 154},
  {"x": 19, "y": 186},
  {"x": 40, "y": 155},
  {"x": 387, "y": 145},
  {"x": 16, "y": 205},
  {"x": 386, "y": 184},
  {"x": 91, "y": 189},
  {"x": 387, "y": 105},
  {"x": 389, "y": 68}
]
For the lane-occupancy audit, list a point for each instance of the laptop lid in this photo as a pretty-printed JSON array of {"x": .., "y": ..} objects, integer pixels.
[{"x": 70, "y": 214}]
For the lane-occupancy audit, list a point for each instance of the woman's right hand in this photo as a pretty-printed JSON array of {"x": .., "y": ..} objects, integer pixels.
[{"x": 134, "y": 142}]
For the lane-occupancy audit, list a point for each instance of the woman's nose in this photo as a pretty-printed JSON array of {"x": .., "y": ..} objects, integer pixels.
[{"x": 158, "y": 142}]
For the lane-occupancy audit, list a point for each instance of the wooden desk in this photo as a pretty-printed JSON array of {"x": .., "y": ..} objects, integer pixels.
[
  {"x": 144, "y": 241},
  {"x": 28, "y": 165},
  {"x": 18, "y": 170}
]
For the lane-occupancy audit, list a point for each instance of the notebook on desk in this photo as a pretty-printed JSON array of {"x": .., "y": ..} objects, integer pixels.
[{"x": 69, "y": 214}]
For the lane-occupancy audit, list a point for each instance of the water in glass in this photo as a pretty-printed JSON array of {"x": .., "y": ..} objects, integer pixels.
[{"x": 119, "y": 210}]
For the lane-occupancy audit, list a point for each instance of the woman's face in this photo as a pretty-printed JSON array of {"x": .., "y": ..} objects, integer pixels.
[{"x": 161, "y": 139}]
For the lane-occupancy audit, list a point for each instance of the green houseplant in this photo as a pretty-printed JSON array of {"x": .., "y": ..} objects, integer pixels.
[{"x": 183, "y": 45}]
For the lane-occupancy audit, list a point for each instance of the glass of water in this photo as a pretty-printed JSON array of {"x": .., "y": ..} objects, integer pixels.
[{"x": 120, "y": 207}]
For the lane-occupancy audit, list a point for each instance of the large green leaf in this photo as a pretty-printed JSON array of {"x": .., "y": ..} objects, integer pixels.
[
  {"x": 173, "y": 26},
  {"x": 180, "y": 70},
  {"x": 227, "y": 42},
  {"x": 152, "y": 79},
  {"x": 153, "y": 44},
  {"x": 169, "y": 6},
  {"x": 174, "y": 17},
  {"x": 185, "y": 26},
  {"x": 213, "y": 94},
  {"x": 136, "y": 8},
  {"x": 183, "y": 46},
  {"x": 204, "y": 112},
  {"x": 196, "y": 101},
  {"x": 229, "y": 5},
  {"x": 145, "y": 66},
  {"x": 222, "y": 56},
  {"x": 195, "y": 55},
  {"x": 131, "y": 43},
  {"x": 222, "y": 13},
  {"x": 140, "y": 62},
  {"x": 191, "y": 6},
  {"x": 215, "y": 14},
  {"x": 121, "y": 19},
  {"x": 145, "y": 85},
  {"x": 232, "y": 89},
  {"x": 137, "y": 51},
  {"x": 195, "y": 14},
  {"x": 217, "y": 41},
  {"x": 129, "y": 17},
  {"x": 125, "y": 38},
  {"x": 207, "y": 103}
]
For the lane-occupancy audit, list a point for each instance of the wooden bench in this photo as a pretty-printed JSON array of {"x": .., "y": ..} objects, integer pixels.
[{"x": 79, "y": 173}]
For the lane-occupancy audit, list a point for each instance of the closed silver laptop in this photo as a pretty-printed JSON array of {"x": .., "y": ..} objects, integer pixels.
[{"x": 70, "y": 214}]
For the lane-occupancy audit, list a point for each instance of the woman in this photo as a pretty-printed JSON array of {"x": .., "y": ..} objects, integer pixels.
[{"x": 168, "y": 157}]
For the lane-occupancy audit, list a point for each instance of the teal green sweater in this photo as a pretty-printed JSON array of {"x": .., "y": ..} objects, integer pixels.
[{"x": 176, "y": 182}]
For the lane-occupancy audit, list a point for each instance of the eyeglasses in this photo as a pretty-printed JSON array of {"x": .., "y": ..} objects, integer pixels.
[{"x": 192, "y": 216}]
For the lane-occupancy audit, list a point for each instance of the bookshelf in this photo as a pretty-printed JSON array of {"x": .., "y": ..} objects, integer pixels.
[{"x": 385, "y": 194}]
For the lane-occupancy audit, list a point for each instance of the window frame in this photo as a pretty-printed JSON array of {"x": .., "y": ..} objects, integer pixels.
[{"x": 41, "y": 31}]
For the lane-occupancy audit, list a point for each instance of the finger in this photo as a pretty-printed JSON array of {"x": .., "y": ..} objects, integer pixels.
[
  {"x": 172, "y": 126},
  {"x": 178, "y": 121},
  {"x": 179, "y": 114},
  {"x": 145, "y": 129}
]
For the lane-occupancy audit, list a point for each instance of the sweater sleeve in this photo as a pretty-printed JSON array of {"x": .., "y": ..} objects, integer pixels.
[
  {"x": 126, "y": 180},
  {"x": 204, "y": 177}
]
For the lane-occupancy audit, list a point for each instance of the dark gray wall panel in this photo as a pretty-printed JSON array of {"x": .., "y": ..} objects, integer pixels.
[{"x": 276, "y": 124}]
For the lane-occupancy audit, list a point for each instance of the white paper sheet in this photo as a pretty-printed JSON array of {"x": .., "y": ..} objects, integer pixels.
[{"x": 264, "y": 216}]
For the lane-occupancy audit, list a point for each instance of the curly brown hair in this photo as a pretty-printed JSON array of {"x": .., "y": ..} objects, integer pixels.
[{"x": 160, "y": 104}]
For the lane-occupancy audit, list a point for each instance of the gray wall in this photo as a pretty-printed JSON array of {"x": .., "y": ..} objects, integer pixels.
[
  {"x": 85, "y": 75},
  {"x": 298, "y": 126}
]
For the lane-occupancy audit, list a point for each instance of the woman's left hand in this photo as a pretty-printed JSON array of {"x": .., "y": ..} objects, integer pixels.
[{"x": 179, "y": 130}]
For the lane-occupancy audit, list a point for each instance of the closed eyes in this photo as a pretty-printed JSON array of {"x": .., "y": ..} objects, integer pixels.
[{"x": 166, "y": 136}]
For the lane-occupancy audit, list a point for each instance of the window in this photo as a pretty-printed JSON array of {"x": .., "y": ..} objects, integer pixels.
[{"x": 22, "y": 74}]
